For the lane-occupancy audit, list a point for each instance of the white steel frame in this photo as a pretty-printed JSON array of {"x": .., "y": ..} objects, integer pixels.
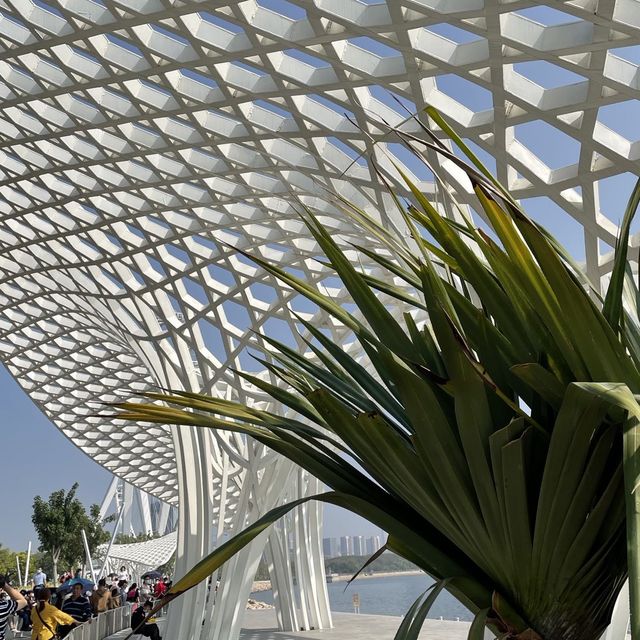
[
  {"x": 143, "y": 141},
  {"x": 137, "y": 557},
  {"x": 136, "y": 508}
]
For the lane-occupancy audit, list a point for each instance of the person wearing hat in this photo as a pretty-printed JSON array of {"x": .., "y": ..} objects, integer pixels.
[{"x": 39, "y": 580}]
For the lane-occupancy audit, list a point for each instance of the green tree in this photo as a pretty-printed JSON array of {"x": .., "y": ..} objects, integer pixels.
[
  {"x": 8, "y": 560},
  {"x": 59, "y": 522},
  {"x": 8, "y": 563},
  {"x": 387, "y": 563}
]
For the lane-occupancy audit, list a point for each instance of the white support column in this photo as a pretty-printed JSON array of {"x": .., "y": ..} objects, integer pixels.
[
  {"x": 617, "y": 630},
  {"x": 163, "y": 518},
  {"x": 299, "y": 550},
  {"x": 109, "y": 497},
  {"x": 145, "y": 511},
  {"x": 235, "y": 587},
  {"x": 127, "y": 515},
  {"x": 281, "y": 576},
  {"x": 310, "y": 568},
  {"x": 193, "y": 456},
  {"x": 304, "y": 605},
  {"x": 194, "y": 526},
  {"x": 26, "y": 565},
  {"x": 260, "y": 492},
  {"x": 222, "y": 610},
  {"x": 88, "y": 556}
]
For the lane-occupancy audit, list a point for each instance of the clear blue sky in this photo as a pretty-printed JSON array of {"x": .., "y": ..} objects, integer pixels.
[{"x": 37, "y": 459}]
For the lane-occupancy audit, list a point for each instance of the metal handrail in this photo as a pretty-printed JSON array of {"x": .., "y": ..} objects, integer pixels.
[{"x": 103, "y": 625}]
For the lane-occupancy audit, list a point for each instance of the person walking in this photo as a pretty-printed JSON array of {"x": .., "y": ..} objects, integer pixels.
[
  {"x": 133, "y": 595},
  {"x": 45, "y": 618},
  {"x": 115, "y": 597},
  {"x": 39, "y": 580},
  {"x": 25, "y": 614},
  {"x": 78, "y": 605},
  {"x": 101, "y": 598},
  {"x": 159, "y": 590},
  {"x": 145, "y": 591},
  {"x": 123, "y": 591},
  {"x": 150, "y": 628},
  {"x": 15, "y": 602}
]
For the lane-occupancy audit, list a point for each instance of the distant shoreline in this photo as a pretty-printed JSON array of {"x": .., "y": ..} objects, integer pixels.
[
  {"x": 265, "y": 585},
  {"x": 345, "y": 577}
]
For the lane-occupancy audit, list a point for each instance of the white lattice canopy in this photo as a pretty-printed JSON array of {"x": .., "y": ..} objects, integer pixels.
[
  {"x": 140, "y": 556},
  {"x": 142, "y": 140}
]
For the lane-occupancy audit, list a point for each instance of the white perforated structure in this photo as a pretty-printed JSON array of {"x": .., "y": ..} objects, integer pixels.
[
  {"x": 138, "y": 557},
  {"x": 139, "y": 137},
  {"x": 141, "y": 141}
]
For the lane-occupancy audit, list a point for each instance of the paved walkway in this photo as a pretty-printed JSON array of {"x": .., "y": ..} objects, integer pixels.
[
  {"x": 261, "y": 625},
  {"x": 125, "y": 632}
]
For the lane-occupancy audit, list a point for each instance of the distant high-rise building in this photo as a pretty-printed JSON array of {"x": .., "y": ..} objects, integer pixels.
[
  {"x": 373, "y": 544},
  {"x": 351, "y": 546},
  {"x": 368, "y": 544},
  {"x": 346, "y": 546},
  {"x": 330, "y": 547}
]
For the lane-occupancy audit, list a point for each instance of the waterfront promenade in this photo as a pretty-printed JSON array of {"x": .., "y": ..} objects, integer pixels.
[{"x": 261, "y": 625}]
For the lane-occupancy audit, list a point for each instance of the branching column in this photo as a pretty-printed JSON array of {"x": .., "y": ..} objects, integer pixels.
[{"x": 193, "y": 463}]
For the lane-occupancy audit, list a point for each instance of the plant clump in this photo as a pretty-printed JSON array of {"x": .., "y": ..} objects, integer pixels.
[{"x": 487, "y": 420}]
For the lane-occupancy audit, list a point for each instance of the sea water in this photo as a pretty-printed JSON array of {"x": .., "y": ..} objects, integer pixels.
[{"x": 386, "y": 595}]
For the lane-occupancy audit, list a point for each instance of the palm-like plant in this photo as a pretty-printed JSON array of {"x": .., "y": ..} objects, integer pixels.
[{"x": 496, "y": 423}]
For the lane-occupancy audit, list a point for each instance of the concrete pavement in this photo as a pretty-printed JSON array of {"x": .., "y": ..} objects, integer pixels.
[{"x": 261, "y": 625}]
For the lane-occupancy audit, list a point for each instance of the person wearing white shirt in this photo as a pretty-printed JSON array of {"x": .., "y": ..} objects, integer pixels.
[
  {"x": 145, "y": 591},
  {"x": 39, "y": 579},
  {"x": 123, "y": 574}
]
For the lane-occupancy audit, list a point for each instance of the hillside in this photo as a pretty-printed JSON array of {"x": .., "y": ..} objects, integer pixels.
[{"x": 388, "y": 562}]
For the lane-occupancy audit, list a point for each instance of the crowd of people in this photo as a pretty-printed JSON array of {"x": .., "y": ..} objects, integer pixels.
[{"x": 53, "y": 611}]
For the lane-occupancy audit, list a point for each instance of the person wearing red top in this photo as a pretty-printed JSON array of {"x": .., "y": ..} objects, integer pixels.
[{"x": 160, "y": 589}]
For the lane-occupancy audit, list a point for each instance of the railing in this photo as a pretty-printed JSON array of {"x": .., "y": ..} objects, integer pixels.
[{"x": 103, "y": 625}]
